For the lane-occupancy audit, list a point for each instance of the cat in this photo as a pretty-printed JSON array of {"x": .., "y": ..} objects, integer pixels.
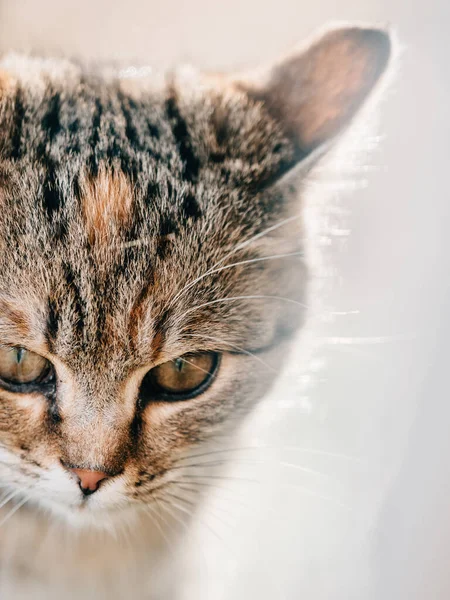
[{"x": 152, "y": 266}]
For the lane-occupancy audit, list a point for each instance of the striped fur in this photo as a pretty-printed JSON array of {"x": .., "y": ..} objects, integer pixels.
[{"x": 140, "y": 221}]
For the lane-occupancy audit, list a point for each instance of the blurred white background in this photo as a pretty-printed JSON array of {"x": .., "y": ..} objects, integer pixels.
[{"x": 376, "y": 524}]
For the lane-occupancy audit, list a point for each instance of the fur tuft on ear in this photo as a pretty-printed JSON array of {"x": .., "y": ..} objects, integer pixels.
[{"x": 314, "y": 93}]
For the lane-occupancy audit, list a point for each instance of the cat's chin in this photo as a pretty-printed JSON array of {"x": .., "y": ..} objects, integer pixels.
[{"x": 106, "y": 520}]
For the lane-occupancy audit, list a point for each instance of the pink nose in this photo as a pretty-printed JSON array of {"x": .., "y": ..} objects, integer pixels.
[{"x": 89, "y": 481}]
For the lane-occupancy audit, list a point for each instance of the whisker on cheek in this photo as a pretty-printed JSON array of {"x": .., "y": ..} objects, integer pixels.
[
  {"x": 14, "y": 510},
  {"x": 191, "y": 485},
  {"x": 311, "y": 451},
  {"x": 271, "y": 464},
  {"x": 9, "y": 497},
  {"x": 155, "y": 516},
  {"x": 168, "y": 506},
  {"x": 193, "y": 506},
  {"x": 201, "y": 521},
  {"x": 192, "y": 477}
]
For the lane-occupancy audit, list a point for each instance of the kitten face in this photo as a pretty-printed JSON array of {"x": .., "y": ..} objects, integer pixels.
[{"x": 151, "y": 253}]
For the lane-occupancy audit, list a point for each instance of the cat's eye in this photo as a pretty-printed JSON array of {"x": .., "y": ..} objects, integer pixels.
[
  {"x": 182, "y": 378},
  {"x": 20, "y": 366}
]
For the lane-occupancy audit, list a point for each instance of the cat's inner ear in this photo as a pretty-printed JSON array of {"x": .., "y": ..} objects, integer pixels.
[{"x": 315, "y": 93}]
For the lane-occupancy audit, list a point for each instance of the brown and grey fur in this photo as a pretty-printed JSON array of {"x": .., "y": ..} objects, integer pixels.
[{"x": 139, "y": 222}]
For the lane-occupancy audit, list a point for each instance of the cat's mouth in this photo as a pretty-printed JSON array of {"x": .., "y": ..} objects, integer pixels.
[{"x": 112, "y": 502}]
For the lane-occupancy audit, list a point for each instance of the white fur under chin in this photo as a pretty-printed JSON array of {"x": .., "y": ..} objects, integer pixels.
[{"x": 61, "y": 554}]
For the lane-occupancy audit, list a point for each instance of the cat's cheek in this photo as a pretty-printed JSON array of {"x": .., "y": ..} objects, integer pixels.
[
  {"x": 241, "y": 381},
  {"x": 22, "y": 418},
  {"x": 33, "y": 406}
]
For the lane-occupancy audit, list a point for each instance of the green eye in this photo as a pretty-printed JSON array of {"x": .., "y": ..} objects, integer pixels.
[
  {"x": 182, "y": 378},
  {"x": 18, "y": 365}
]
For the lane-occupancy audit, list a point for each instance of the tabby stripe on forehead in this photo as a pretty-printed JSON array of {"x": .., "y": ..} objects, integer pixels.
[
  {"x": 51, "y": 120},
  {"x": 52, "y": 323},
  {"x": 52, "y": 198},
  {"x": 130, "y": 129},
  {"x": 78, "y": 303},
  {"x": 19, "y": 114},
  {"x": 191, "y": 163},
  {"x": 138, "y": 127},
  {"x": 95, "y": 135},
  {"x": 54, "y": 307},
  {"x": 191, "y": 208}
]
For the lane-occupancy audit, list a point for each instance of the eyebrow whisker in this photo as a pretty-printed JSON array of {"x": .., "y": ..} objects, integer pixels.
[
  {"x": 249, "y": 297},
  {"x": 235, "y": 347},
  {"x": 239, "y": 246}
]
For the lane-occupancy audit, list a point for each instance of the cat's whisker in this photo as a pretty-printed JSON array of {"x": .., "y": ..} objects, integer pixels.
[
  {"x": 193, "y": 505},
  {"x": 188, "y": 362},
  {"x": 312, "y": 451},
  {"x": 221, "y": 477},
  {"x": 206, "y": 485},
  {"x": 190, "y": 513},
  {"x": 188, "y": 502},
  {"x": 40, "y": 550},
  {"x": 235, "y": 347},
  {"x": 203, "y": 522},
  {"x": 247, "y": 297},
  {"x": 164, "y": 520},
  {"x": 249, "y": 261},
  {"x": 9, "y": 497},
  {"x": 255, "y": 260},
  {"x": 195, "y": 487},
  {"x": 125, "y": 532},
  {"x": 153, "y": 514},
  {"x": 238, "y": 247},
  {"x": 3, "y": 496},
  {"x": 220, "y": 462},
  {"x": 168, "y": 505},
  {"x": 296, "y": 487},
  {"x": 14, "y": 510},
  {"x": 136, "y": 243},
  {"x": 284, "y": 464},
  {"x": 170, "y": 509}
]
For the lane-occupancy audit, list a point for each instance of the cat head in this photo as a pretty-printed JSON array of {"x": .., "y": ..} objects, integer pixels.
[{"x": 151, "y": 260}]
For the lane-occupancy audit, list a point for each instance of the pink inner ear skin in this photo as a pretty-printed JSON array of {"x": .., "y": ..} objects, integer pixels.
[{"x": 316, "y": 93}]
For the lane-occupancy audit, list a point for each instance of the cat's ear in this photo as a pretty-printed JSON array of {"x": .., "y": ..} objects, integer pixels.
[{"x": 315, "y": 93}]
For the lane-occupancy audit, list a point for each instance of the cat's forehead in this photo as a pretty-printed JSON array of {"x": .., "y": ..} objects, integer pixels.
[
  {"x": 86, "y": 159},
  {"x": 51, "y": 109},
  {"x": 113, "y": 201}
]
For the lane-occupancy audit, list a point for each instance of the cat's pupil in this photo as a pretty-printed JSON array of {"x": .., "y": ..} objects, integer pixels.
[
  {"x": 19, "y": 355},
  {"x": 179, "y": 364}
]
